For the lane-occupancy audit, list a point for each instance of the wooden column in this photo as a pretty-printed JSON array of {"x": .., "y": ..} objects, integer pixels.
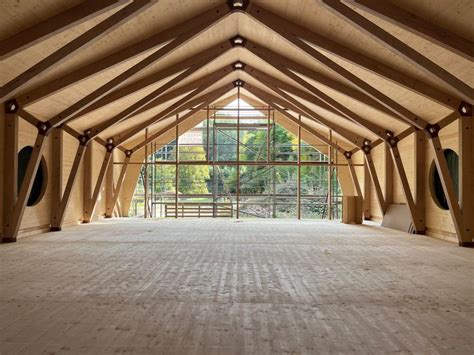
[
  {"x": 109, "y": 189},
  {"x": 388, "y": 169},
  {"x": 87, "y": 187},
  {"x": 57, "y": 171},
  {"x": 367, "y": 194},
  {"x": 421, "y": 181},
  {"x": 10, "y": 178},
  {"x": 466, "y": 175}
]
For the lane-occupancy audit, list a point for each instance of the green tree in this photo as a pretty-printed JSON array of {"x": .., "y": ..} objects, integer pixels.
[{"x": 192, "y": 178}]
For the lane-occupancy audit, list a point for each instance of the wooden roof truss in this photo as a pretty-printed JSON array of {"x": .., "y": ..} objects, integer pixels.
[{"x": 284, "y": 96}]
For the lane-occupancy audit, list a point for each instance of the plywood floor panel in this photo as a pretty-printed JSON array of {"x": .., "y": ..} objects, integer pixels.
[{"x": 227, "y": 287}]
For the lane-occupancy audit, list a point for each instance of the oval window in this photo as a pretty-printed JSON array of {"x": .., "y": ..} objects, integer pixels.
[
  {"x": 39, "y": 184},
  {"x": 437, "y": 191}
]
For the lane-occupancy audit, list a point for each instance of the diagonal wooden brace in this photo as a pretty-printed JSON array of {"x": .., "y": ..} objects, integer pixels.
[
  {"x": 89, "y": 206},
  {"x": 57, "y": 218}
]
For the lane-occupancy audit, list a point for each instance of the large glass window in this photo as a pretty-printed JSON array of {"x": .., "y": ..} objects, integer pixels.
[{"x": 238, "y": 162}]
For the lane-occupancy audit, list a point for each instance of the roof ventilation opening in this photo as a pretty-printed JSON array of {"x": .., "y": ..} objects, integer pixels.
[
  {"x": 238, "y": 40},
  {"x": 238, "y": 3}
]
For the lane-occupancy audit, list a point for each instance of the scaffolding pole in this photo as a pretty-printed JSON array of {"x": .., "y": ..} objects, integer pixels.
[
  {"x": 238, "y": 155},
  {"x": 215, "y": 181},
  {"x": 330, "y": 177},
  {"x": 207, "y": 133},
  {"x": 176, "y": 171},
  {"x": 145, "y": 179}
]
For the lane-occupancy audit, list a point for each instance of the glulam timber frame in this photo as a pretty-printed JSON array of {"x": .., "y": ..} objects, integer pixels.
[{"x": 274, "y": 92}]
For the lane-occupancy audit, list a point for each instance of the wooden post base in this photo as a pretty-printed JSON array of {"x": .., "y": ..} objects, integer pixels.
[{"x": 8, "y": 240}]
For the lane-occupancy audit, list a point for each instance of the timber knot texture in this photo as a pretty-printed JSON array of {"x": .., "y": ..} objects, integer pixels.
[
  {"x": 432, "y": 130},
  {"x": 237, "y": 5},
  {"x": 465, "y": 109},
  {"x": 11, "y": 106}
]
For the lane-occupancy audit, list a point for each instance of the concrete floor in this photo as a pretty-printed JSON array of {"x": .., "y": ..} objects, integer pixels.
[{"x": 227, "y": 287}]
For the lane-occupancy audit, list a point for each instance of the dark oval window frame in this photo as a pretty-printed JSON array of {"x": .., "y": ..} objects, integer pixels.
[
  {"x": 436, "y": 187},
  {"x": 41, "y": 179}
]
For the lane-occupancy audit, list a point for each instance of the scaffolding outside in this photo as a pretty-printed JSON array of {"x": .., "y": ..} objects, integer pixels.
[{"x": 238, "y": 163}]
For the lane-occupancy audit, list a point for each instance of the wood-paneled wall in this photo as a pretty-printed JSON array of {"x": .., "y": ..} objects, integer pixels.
[{"x": 37, "y": 218}]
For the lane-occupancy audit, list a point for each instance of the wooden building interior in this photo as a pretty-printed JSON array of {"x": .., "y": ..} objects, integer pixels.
[{"x": 384, "y": 89}]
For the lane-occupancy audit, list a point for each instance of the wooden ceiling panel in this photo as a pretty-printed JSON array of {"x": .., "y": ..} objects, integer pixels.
[
  {"x": 17, "y": 15},
  {"x": 62, "y": 99},
  {"x": 457, "y": 65},
  {"x": 258, "y": 33},
  {"x": 315, "y": 17},
  {"x": 18, "y": 63},
  {"x": 362, "y": 109},
  {"x": 140, "y": 137},
  {"x": 418, "y": 104},
  {"x": 138, "y": 119},
  {"x": 220, "y": 62},
  {"x": 108, "y": 111},
  {"x": 221, "y": 31},
  {"x": 338, "y": 120},
  {"x": 260, "y": 64},
  {"x": 453, "y": 15}
]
